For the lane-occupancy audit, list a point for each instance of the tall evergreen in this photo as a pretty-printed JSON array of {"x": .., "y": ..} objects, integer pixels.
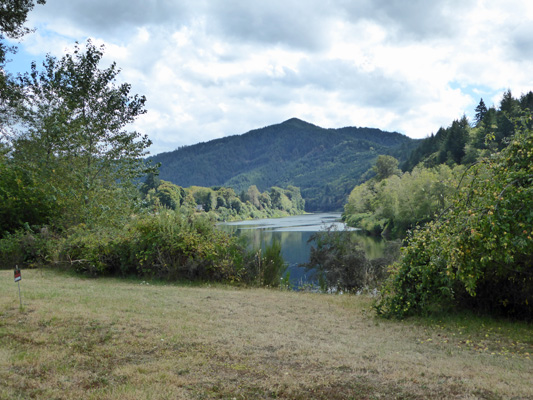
[{"x": 481, "y": 111}]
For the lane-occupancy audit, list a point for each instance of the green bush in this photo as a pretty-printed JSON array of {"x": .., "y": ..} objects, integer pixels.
[
  {"x": 273, "y": 265},
  {"x": 170, "y": 245},
  {"x": 480, "y": 253},
  {"x": 341, "y": 263},
  {"x": 27, "y": 248}
]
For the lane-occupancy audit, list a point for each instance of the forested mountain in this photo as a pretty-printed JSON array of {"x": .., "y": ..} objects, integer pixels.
[{"x": 324, "y": 163}]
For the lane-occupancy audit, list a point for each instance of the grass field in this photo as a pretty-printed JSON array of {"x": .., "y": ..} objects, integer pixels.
[{"x": 79, "y": 338}]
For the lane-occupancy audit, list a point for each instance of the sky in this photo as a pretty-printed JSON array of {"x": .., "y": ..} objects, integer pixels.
[{"x": 213, "y": 68}]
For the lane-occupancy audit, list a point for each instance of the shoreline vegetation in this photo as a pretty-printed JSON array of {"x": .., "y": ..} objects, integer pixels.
[{"x": 109, "y": 338}]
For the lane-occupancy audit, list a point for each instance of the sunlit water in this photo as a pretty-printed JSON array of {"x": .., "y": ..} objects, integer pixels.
[{"x": 294, "y": 234}]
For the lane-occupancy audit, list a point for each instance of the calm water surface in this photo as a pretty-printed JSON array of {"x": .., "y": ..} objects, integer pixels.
[{"x": 294, "y": 233}]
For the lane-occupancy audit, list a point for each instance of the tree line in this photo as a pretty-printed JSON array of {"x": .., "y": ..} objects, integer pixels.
[{"x": 222, "y": 203}]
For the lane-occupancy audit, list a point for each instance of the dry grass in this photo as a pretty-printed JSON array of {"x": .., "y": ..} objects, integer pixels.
[{"x": 112, "y": 339}]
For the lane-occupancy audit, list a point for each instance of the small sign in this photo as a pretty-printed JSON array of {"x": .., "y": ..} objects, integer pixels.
[{"x": 18, "y": 277}]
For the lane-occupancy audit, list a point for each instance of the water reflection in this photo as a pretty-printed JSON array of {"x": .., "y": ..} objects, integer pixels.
[{"x": 294, "y": 233}]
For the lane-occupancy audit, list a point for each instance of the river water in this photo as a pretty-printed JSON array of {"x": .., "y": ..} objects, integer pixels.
[{"x": 294, "y": 233}]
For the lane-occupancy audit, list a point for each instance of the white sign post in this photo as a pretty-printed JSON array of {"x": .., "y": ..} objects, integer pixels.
[{"x": 18, "y": 278}]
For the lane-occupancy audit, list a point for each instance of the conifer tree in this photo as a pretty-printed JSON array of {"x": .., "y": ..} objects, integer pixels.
[{"x": 481, "y": 111}]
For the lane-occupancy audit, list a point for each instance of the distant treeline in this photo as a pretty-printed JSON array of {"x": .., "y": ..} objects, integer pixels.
[{"x": 223, "y": 203}]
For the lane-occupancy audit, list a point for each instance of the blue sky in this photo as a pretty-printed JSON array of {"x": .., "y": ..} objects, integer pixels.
[{"x": 212, "y": 68}]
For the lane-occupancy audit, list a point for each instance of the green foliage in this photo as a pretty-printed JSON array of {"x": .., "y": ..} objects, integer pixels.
[
  {"x": 73, "y": 154},
  {"x": 481, "y": 111},
  {"x": 24, "y": 200},
  {"x": 341, "y": 264},
  {"x": 385, "y": 167},
  {"x": 168, "y": 245},
  {"x": 460, "y": 144},
  {"x": 221, "y": 202},
  {"x": 324, "y": 163},
  {"x": 27, "y": 248},
  {"x": 480, "y": 253},
  {"x": 398, "y": 203},
  {"x": 272, "y": 265},
  {"x": 13, "y": 15}
]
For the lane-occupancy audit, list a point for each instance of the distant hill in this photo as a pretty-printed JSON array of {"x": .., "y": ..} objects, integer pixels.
[{"x": 325, "y": 164}]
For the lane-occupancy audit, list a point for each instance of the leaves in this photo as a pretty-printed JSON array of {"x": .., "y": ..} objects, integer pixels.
[
  {"x": 75, "y": 141},
  {"x": 480, "y": 253}
]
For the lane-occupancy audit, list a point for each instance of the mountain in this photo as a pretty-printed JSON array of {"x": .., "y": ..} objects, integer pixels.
[{"x": 324, "y": 163}]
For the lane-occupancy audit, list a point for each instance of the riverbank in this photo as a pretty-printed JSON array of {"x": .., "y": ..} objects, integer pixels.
[{"x": 116, "y": 339}]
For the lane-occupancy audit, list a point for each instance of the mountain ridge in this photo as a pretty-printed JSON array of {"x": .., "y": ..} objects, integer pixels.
[{"x": 326, "y": 163}]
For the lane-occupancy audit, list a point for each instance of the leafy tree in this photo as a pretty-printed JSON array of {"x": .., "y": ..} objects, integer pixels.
[
  {"x": 385, "y": 167},
  {"x": 252, "y": 195},
  {"x": 480, "y": 253},
  {"x": 13, "y": 14},
  {"x": 169, "y": 195},
  {"x": 76, "y": 141},
  {"x": 341, "y": 263},
  {"x": 24, "y": 201},
  {"x": 294, "y": 195},
  {"x": 279, "y": 199},
  {"x": 394, "y": 205}
]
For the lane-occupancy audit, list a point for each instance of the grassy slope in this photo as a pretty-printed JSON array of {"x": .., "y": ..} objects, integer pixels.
[{"x": 112, "y": 339}]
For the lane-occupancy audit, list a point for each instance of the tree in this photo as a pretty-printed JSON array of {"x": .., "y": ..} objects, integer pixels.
[
  {"x": 526, "y": 101},
  {"x": 456, "y": 140},
  {"x": 480, "y": 253},
  {"x": 169, "y": 195},
  {"x": 341, "y": 263},
  {"x": 252, "y": 195},
  {"x": 509, "y": 104},
  {"x": 23, "y": 200},
  {"x": 152, "y": 181},
  {"x": 481, "y": 111},
  {"x": 386, "y": 166},
  {"x": 76, "y": 139},
  {"x": 13, "y": 14},
  {"x": 298, "y": 203}
]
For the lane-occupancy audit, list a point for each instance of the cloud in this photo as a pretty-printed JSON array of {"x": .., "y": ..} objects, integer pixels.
[
  {"x": 114, "y": 19},
  {"x": 216, "y": 68}
]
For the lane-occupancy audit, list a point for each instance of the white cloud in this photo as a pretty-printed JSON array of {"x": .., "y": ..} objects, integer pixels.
[{"x": 213, "y": 68}]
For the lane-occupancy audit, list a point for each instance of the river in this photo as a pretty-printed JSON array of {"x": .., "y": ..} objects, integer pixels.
[{"x": 294, "y": 233}]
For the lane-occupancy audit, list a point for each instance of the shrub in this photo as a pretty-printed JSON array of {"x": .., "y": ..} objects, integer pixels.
[
  {"x": 273, "y": 265},
  {"x": 27, "y": 248},
  {"x": 480, "y": 253},
  {"x": 170, "y": 245},
  {"x": 341, "y": 263}
]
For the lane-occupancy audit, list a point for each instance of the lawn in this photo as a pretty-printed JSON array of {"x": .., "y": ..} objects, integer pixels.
[{"x": 78, "y": 338}]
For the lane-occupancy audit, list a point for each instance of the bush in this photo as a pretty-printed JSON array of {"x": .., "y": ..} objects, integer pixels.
[
  {"x": 480, "y": 253},
  {"x": 341, "y": 264},
  {"x": 273, "y": 265},
  {"x": 27, "y": 248},
  {"x": 170, "y": 245}
]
